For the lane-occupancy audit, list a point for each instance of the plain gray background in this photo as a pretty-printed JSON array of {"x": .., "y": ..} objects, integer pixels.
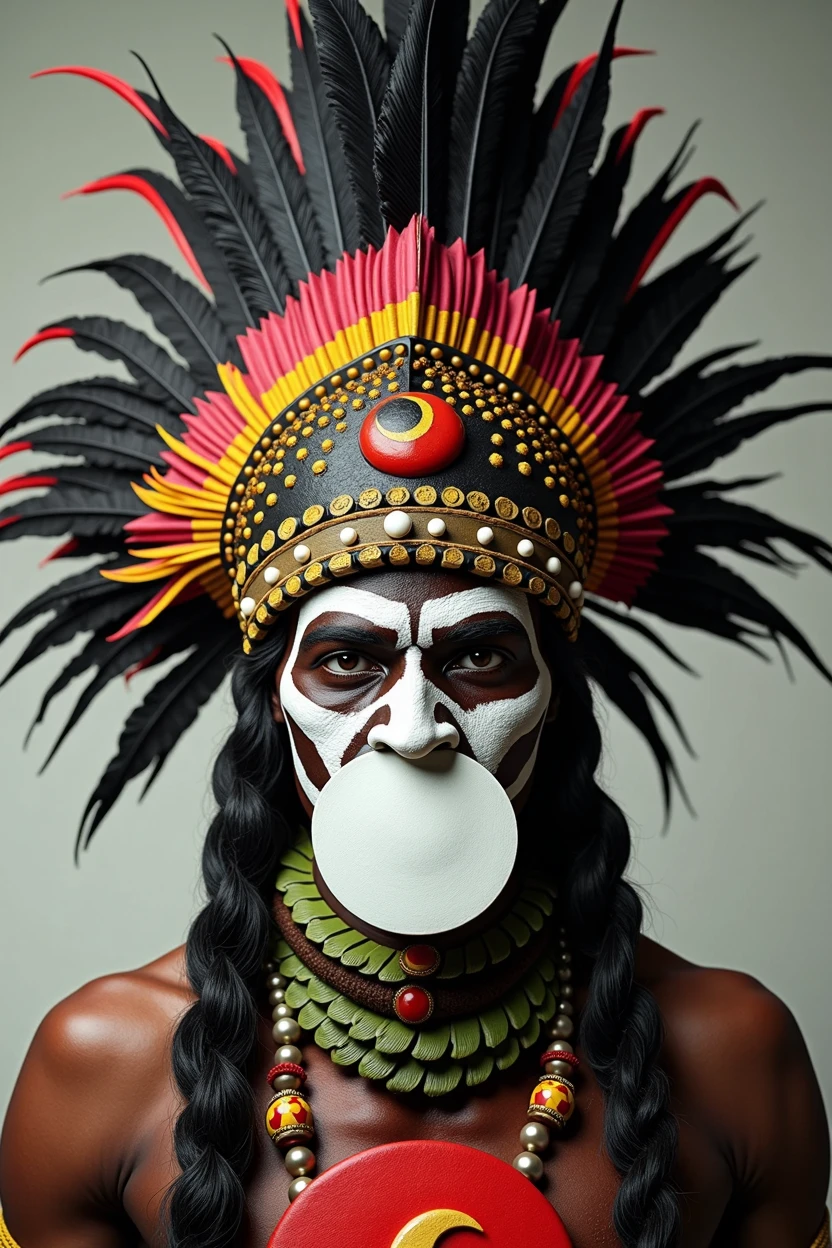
[{"x": 746, "y": 883}]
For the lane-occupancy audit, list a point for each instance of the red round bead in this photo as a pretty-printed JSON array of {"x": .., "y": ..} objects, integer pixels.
[
  {"x": 413, "y": 1004},
  {"x": 411, "y": 435},
  {"x": 560, "y": 1055},
  {"x": 419, "y": 960}
]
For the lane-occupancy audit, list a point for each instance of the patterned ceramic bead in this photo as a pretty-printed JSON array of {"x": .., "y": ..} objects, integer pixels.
[
  {"x": 552, "y": 1101},
  {"x": 289, "y": 1119}
]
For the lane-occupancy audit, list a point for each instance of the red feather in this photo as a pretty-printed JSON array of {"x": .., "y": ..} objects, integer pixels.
[
  {"x": 582, "y": 69},
  {"x": 33, "y": 482},
  {"x": 293, "y": 9},
  {"x": 60, "y": 552},
  {"x": 45, "y": 335},
  {"x": 221, "y": 150},
  {"x": 118, "y": 85},
  {"x": 12, "y": 448},
  {"x": 263, "y": 77},
  {"x": 635, "y": 128},
  {"x": 704, "y": 186}
]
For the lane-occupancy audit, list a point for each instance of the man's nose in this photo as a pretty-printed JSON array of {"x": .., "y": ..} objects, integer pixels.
[{"x": 412, "y": 729}]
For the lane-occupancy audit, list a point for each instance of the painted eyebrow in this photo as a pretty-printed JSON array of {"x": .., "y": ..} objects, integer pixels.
[
  {"x": 481, "y": 630},
  {"x": 342, "y": 635}
]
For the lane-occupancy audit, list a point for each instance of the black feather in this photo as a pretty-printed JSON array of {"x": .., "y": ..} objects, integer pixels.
[
  {"x": 280, "y": 185},
  {"x": 153, "y": 728},
  {"x": 411, "y": 154},
  {"x": 74, "y": 510},
  {"x": 559, "y": 188},
  {"x": 491, "y": 73},
  {"x": 232, "y": 306},
  {"x": 326, "y": 170},
  {"x": 233, "y": 217},
  {"x": 60, "y": 595},
  {"x": 100, "y": 446},
  {"x": 355, "y": 64},
  {"x": 396, "y": 13},
  {"x": 161, "y": 377},
  {"x": 727, "y": 435},
  {"x": 177, "y": 308},
  {"x": 100, "y": 400}
]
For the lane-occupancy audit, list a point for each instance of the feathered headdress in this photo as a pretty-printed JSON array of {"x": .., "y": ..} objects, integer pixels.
[{"x": 418, "y": 333}]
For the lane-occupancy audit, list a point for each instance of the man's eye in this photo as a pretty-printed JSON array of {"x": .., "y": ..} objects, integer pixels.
[
  {"x": 480, "y": 660},
  {"x": 347, "y": 663}
]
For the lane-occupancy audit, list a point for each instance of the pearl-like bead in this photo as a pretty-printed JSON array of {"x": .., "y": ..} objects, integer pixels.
[
  {"x": 563, "y": 1026},
  {"x": 566, "y": 1007},
  {"x": 287, "y": 1031},
  {"x": 276, "y": 996},
  {"x": 566, "y": 990},
  {"x": 554, "y": 1034},
  {"x": 288, "y": 1053},
  {"x": 270, "y": 575},
  {"x": 575, "y": 589},
  {"x": 529, "y": 1164},
  {"x": 286, "y": 1083},
  {"x": 553, "y": 566},
  {"x": 298, "y": 1185},
  {"x": 348, "y": 536},
  {"x": 277, "y": 981},
  {"x": 436, "y": 527},
  {"x": 302, "y": 553},
  {"x": 299, "y": 1161},
  {"x": 282, "y": 1010},
  {"x": 525, "y": 548},
  {"x": 247, "y": 605},
  {"x": 485, "y": 535},
  {"x": 559, "y": 1069},
  {"x": 534, "y": 1137},
  {"x": 564, "y": 973},
  {"x": 565, "y": 958},
  {"x": 397, "y": 524}
]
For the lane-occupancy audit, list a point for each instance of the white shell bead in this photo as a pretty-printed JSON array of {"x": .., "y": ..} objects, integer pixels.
[
  {"x": 348, "y": 536},
  {"x": 553, "y": 566},
  {"x": 271, "y": 575},
  {"x": 436, "y": 527},
  {"x": 525, "y": 548},
  {"x": 485, "y": 535},
  {"x": 302, "y": 553},
  {"x": 397, "y": 524},
  {"x": 529, "y": 1164},
  {"x": 575, "y": 589},
  {"x": 247, "y": 605}
]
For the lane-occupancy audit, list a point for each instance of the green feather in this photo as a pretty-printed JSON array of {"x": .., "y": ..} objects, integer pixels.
[
  {"x": 546, "y": 969},
  {"x": 310, "y": 1016},
  {"x": 534, "y": 988},
  {"x": 516, "y": 1005},
  {"x": 517, "y": 930},
  {"x": 477, "y": 1072},
  {"x": 289, "y": 877},
  {"x": 282, "y": 949},
  {"x": 342, "y": 1010},
  {"x": 531, "y": 914},
  {"x": 320, "y": 930},
  {"x": 329, "y": 1035},
  {"x": 300, "y": 862},
  {"x": 540, "y": 899},
  {"x": 366, "y": 1025},
  {"x": 508, "y": 1054},
  {"x": 465, "y": 1037},
  {"x": 528, "y": 1036},
  {"x": 292, "y": 967},
  {"x": 476, "y": 956},
  {"x": 499, "y": 945},
  {"x": 392, "y": 973},
  {"x": 297, "y": 994},
  {"x": 369, "y": 957},
  {"x": 407, "y": 1078},
  {"x": 303, "y": 844},
  {"x": 375, "y": 1065},
  {"x": 431, "y": 1044},
  {"x": 337, "y": 942},
  {"x": 440, "y": 1082},
  {"x": 453, "y": 964},
  {"x": 494, "y": 1026},
  {"x": 306, "y": 910},
  {"x": 394, "y": 1037},
  {"x": 321, "y": 992},
  {"x": 547, "y": 1009},
  {"x": 298, "y": 892},
  {"x": 348, "y": 1054}
]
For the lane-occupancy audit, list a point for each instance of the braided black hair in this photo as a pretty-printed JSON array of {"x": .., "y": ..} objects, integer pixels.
[
  {"x": 621, "y": 1029},
  {"x": 215, "y": 1043}
]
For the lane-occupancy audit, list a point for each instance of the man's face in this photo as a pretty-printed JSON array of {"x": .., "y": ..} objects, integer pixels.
[{"x": 412, "y": 662}]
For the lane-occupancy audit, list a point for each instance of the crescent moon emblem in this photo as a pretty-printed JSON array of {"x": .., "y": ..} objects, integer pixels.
[
  {"x": 424, "y": 1230},
  {"x": 421, "y": 426}
]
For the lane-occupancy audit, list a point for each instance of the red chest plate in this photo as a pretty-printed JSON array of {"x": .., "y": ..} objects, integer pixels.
[{"x": 420, "y": 1194}]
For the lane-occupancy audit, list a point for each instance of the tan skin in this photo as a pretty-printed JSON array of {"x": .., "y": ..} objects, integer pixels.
[{"x": 87, "y": 1154}]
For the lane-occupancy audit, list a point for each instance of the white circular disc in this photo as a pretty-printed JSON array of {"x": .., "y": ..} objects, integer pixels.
[{"x": 416, "y": 847}]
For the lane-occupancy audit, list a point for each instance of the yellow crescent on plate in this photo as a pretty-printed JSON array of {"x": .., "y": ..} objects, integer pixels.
[
  {"x": 425, "y": 1230},
  {"x": 422, "y": 425}
]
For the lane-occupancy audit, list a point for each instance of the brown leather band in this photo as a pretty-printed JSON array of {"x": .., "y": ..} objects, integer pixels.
[{"x": 477, "y": 993}]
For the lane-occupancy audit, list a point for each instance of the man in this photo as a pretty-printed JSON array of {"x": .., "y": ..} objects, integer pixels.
[{"x": 419, "y": 482}]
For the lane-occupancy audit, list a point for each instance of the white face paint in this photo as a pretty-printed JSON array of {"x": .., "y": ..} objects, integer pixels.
[
  {"x": 491, "y": 728},
  {"x": 411, "y": 842}
]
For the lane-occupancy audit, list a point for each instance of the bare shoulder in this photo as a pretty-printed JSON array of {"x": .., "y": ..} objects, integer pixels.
[{"x": 99, "y": 1061}]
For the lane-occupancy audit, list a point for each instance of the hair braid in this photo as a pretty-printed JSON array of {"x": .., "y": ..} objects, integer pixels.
[
  {"x": 216, "y": 1040},
  {"x": 621, "y": 1028}
]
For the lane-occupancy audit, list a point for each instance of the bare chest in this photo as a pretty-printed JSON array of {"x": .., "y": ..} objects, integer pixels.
[{"x": 352, "y": 1114}]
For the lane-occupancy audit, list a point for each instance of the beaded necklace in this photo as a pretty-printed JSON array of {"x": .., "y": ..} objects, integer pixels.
[{"x": 395, "y": 1045}]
